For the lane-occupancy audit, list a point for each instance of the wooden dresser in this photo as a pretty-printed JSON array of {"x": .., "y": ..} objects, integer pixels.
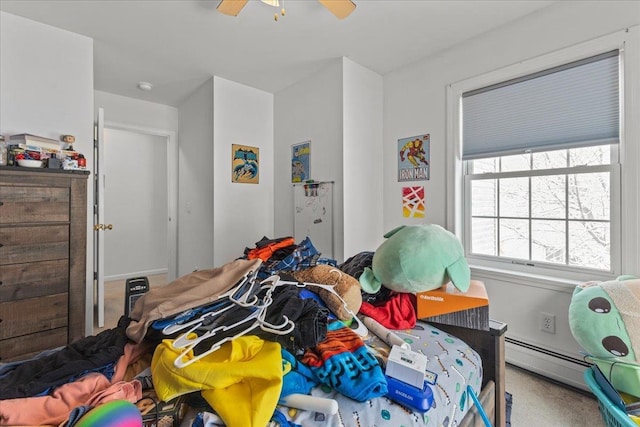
[{"x": 43, "y": 233}]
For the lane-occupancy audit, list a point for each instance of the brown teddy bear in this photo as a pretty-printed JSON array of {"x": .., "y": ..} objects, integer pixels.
[{"x": 345, "y": 285}]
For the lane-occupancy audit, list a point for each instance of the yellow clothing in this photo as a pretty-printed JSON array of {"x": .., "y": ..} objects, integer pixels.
[{"x": 242, "y": 380}]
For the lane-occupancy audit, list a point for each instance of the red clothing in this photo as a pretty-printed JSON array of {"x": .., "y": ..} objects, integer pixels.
[{"x": 397, "y": 313}]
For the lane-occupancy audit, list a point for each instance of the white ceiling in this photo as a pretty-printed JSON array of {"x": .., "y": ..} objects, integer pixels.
[{"x": 177, "y": 45}]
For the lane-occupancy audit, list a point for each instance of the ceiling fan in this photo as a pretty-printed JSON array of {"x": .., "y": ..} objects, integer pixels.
[{"x": 340, "y": 8}]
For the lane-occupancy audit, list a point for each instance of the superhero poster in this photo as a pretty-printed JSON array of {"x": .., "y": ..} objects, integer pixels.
[
  {"x": 413, "y": 158},
  {"x": 300, "y": 162},
  {"x": 245, "y": 164}
]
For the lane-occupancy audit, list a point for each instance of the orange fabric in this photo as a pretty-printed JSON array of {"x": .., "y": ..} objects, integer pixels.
[{"x": 265, "y": 253}]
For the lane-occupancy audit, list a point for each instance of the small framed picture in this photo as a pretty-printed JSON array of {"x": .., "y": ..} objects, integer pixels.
[
  {"x": 413, "y": 158},
  {"x": 245, "y": 164},
  {"x": 301, "y": 162}
]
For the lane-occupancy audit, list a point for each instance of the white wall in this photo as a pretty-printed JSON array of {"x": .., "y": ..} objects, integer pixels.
[
  {"x": 310, "y": 110},
  {"x": 46, "y": 81},
  {"x": 340, "y": 111},
  {"x": 362, "y": 159},
  {"x": 137, "y": 113},
  {"x": 46, "y": 88},
  {"x": 415, "y": 103},
  {"x": 195, "y": 182},
  {"x": 243, "y": 213}
]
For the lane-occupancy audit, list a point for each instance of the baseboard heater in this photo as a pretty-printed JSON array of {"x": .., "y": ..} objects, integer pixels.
[{"x": 547, "y": 352}]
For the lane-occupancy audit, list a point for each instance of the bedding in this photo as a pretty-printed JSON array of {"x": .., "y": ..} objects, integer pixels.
[{"x": 452, "y": 366}]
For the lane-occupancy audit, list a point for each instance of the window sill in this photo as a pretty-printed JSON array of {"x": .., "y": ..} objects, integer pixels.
[{"x": 524, "y": 278}]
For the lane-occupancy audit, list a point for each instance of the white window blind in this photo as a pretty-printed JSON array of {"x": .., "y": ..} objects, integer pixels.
[{"x": 574, "y": 105}]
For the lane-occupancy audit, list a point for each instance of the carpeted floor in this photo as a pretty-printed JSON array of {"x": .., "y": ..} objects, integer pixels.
[{"x": 537, "y": 401}]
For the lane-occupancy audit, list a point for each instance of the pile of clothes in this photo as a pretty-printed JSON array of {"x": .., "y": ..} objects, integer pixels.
[
  {"x": 283, "y": 254},
  {"x": 237, "y": 336}
]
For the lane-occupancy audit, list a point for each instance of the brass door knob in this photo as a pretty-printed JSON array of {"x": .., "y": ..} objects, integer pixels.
[{"x": 102, "y": 227}]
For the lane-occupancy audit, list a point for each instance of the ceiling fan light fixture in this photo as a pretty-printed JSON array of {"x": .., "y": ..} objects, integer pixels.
[
  {"x": 340, "y": 8},
  {"x": 274, "y": 3}
]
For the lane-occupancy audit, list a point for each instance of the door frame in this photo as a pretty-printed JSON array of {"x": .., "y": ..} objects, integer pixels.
[{"x": 172, "y": 188}]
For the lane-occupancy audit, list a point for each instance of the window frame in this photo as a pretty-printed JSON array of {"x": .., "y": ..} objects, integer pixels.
[
  {"x": 625, "y": 249},
  {"x": 541, "y": 267}
]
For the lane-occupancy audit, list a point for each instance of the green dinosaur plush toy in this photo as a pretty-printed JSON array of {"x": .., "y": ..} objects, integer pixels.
[{"x": 415, "y": 259}]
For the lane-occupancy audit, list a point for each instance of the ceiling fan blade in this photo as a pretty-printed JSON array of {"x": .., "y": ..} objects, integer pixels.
[
  {"x": 231, "y": 7},
  {"x": 340, "y": 8}
]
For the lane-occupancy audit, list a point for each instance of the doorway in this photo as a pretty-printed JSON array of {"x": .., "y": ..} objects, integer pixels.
[
  {"x": 139, "y": 192},
  {"x": 135, "y": 204}
]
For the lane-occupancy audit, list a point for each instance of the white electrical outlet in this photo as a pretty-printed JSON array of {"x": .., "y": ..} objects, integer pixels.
[{"x": 548, "y": 322}]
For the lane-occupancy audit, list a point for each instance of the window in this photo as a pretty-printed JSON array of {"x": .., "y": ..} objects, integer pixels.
[
  {"x": 550, "y": 207},
  {"x": 541, "y": 168}
]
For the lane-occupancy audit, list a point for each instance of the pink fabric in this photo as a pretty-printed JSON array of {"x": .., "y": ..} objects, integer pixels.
[
  {"x": 92, "y": 389},
  {"x": 132, "y": 353},
  {"x": 122, "y": 390},
  {"x": 54, "y": 408}
]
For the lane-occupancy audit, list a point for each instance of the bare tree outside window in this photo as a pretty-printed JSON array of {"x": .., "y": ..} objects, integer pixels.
[{"x": 547, "y": 207}]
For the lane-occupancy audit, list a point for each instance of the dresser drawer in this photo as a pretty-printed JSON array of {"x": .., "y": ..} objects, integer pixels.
[
  {"x": 33, "y": 315},
  {"x": 24, "y": 204},
  {"x": 43, "y": 243},
  {"x": 23, "y": 347},
  {"x": 33, "y": 243},
  {"x": 35, "y": 279}
]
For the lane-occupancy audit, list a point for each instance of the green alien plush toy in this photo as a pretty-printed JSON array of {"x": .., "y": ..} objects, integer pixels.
[
  {"x": 415, "y": 259},
  {"x": 604, "y": 318}
]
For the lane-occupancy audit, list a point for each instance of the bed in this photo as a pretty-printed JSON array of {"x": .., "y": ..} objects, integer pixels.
[
  {"x": 489, "y": 345},
  {"x": 451, "y": 364},
  {"x": 457, "y": 357}
]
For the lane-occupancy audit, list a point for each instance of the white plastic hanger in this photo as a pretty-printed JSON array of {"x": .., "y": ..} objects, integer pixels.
[
  {"x": 360, "y": 329},
  {"x": 171, "y": 329},
  {"x": 245, "y": 298},
  {"x": 255, "y": 320}
]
